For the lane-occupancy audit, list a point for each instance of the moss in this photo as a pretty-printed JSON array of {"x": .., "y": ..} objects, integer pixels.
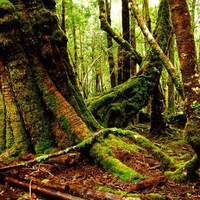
[
  {"x": 118, "y": 142},
  {"x": 85, "y": 142},
  {"x": 196, "y": 108},
  {"x": 52, "y": 102},
  {"x": 43, "y": 140},
  {"x": 58, "y": 36},
  {"x": 9, "y": 135},
  {"x": 179, "y": 175},
  {"x": 167, "y": 162},
  {"x": 6, "y": 5},
  {"x": 105, "y": 157},
  {"x": 156, "y": 196},
  {"x": 41, "y": 158},
  {"x": 192, "y": 133}
]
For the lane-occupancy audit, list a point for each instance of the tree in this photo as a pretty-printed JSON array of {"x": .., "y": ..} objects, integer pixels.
[
  {"x": 110, "y": 45},
  {"x": 42, "y": 109},
  {"x": 34, "y": 64},
  {"x": 190, "y": 72},
  {"x": 126, "y": 35}
]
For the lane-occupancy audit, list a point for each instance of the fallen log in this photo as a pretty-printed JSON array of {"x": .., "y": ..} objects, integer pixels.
[
  {"x": 55, "y": 194},
  {"x": 78, "y": 190}
]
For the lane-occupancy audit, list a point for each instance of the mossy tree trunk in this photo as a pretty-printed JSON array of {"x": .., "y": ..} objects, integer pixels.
[{"x": 41, "y": 107}]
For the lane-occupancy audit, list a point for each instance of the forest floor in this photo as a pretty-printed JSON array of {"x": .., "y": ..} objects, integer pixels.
[{"x": 83, "y": 179}]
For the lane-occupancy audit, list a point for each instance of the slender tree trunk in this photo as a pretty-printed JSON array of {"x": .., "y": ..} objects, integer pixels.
[
  {"x": 106, "y": 27},
  {"x": 133, "y": 41},
  {"x": 110, "y": 45},
  {"x": 171, "y": 89},
  {"x": 120, "y": 65},
  {"x": 126, "y": 36},
  {"x": 147, "y": 20},
  {"x": 63, "y": 24}
]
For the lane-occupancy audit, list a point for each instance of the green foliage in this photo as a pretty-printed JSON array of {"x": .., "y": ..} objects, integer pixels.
[
  {"x": 196, "y": 107},
  {"x": 6, "y": 5},
  {"x": 25, "y": 196}
]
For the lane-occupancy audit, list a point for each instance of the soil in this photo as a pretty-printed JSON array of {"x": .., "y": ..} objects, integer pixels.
[{"x": 84, "y": 179}]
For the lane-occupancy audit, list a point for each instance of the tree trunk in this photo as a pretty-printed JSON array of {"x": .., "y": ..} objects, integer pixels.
[
  {"x": 63, "y": 24},
  {"x": 133, "y": 41},
  {"x": 126, "y": 36},
  {"x": 190, "y": 73},
  {"x": 110, "y": 45},
  {"x": 42, "y": 105}
]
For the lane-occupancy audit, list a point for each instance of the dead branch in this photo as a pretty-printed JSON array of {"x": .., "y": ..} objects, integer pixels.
[{"x": 43, "y": 190}]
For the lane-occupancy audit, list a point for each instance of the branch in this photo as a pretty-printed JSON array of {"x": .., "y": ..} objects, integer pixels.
[
  {"x": 165, "y": 60},
  {"x": 106, "y": 27},
  {"x": 43, "y": 190}
]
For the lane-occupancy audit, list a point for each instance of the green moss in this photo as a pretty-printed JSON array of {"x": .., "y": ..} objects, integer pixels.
[
  {"x": 85, "y": 142},
  {"x": 107, "y": 189},
  {"x": 9, "y": 135},
  {"x": 196, "y": 108},
  {"x": 41, "y": 158},
  {"x": 6, "y": 5},
  {"x": 118, "y": 142},
  {"x": 43, "y": 140},
  {"x": 192, "y": 133},
  {"x": 156, "y": 196},
  {"x": 52, "y": 102},
  {"x": 179, "y": 175},
  {"x": 167, "y": 162},
  {"x": 58, "y": 36},
  {"x": 105, "y": 157}
]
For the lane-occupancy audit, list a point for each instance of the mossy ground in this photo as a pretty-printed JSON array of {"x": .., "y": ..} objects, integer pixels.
[{"x": 99, "y": 174}]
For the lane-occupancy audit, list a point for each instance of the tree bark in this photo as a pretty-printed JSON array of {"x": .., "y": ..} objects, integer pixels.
[
  {"x": 110, "y": 45},
  {"x": 37, "y": 74},
  {"x": 188, "y": 65},
  {"x": 126, "y": 36}
]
